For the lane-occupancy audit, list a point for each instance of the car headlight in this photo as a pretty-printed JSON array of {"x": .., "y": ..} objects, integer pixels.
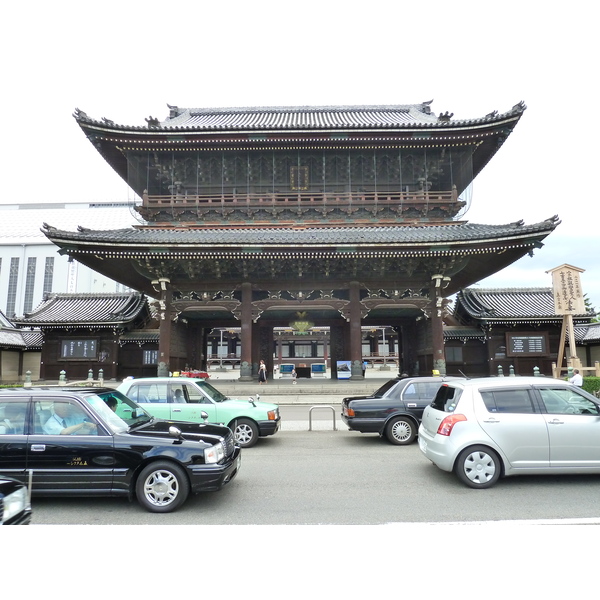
[
  {"x": 15, "y": 503},
  {"x": 214, "y": 454}
]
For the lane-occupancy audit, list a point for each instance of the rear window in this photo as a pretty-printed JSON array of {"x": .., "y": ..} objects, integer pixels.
[
  {"x": 421, "y": 390},
  {"x": 447, "y": 398},
  {"x": 385, "y": 388},
  {"x": 508, "y": 401}
]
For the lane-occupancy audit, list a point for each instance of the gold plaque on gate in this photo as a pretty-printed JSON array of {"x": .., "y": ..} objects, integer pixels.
[{"x": 299, "y": 178}]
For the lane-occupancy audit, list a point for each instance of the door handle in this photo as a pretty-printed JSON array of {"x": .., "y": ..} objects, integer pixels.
[
  {"x": 176, "y": 410},
  {"x": 38, "y": 447}
]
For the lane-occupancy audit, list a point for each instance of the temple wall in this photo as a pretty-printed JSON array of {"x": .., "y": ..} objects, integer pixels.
[
  {"x": 31, "y": 362},
  {"x": 10, "y": 365}
]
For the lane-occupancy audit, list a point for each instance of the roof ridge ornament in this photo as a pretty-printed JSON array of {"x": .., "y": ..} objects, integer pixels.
[{"x": 80, "y": 115}]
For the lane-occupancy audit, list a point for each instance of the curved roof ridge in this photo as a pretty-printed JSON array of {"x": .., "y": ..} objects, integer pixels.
[
  {"x": 83, "y": 307},
  {"x": 272, "y": 117}
]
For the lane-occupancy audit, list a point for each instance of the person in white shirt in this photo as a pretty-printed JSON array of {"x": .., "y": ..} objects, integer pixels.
[
  {"x": 577, "y": 379},
  {"x": 65, "y": 421}
]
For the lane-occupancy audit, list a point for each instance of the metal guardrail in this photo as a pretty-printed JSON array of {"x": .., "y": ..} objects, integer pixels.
[{"x": 310, "y": 416}]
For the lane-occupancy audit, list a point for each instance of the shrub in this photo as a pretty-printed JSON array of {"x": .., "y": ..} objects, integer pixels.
[{"x": 591, "y": 385}]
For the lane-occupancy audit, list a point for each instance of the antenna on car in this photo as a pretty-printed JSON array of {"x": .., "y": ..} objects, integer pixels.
[{"x": 463, "y": 374}]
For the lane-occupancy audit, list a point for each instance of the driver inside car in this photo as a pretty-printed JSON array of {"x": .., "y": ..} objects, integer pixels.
[{"x": 67, "y": 419}]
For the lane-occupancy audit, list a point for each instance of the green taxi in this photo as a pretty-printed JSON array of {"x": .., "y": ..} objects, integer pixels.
[{"x": 185, "y": 399}]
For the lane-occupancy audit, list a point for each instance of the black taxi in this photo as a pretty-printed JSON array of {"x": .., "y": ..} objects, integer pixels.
[
  {"x": 393, "y": 411},
  {"x": 96, "y": 441}
]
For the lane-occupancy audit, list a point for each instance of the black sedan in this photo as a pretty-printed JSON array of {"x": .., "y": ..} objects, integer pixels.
[
  {"x": 394, "y": 410},
  {"x": 15, "y": 508},
  {"x": 95, "y": 441}
]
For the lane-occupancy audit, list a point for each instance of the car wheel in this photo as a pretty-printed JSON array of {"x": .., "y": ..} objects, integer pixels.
[
  {"x": 479, "y": 467},
  {"x": 401, "y": 431},
  {"x": 162, "y": 487},
  {"x": 245, "y": 432}
]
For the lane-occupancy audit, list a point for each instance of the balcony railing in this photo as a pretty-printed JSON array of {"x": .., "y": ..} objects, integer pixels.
[{"x": 299, "y": 200}]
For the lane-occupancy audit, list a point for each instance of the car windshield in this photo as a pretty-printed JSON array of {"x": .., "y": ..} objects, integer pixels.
[
  {"x": 210, "y": 391},
  {"x": 117, "y": 411}
]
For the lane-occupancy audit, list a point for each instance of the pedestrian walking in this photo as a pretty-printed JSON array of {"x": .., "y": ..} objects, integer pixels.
[
  {"x": 262, "y": 372},
  {"x": 294, "y": 376}
]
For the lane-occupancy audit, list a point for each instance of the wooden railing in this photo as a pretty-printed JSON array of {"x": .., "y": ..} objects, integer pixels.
[{"x": 420, "y": 199}]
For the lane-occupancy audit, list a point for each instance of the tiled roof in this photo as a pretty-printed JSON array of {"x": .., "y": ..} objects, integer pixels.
[
  {"x": 139, "y": 335},
  {"x": 105, "y": 310},
  {"x": 305, "y": 117},
  {"x": 305, "y": 236},
  {"x": 302, "y": 117},
  {"x": 507, "y": 303},
  {"x": 587, "y": 334},
  {"x": 12, "y": 339},
  {"x": 455, "y": 332},
  {"x": 33, "y": 338}
]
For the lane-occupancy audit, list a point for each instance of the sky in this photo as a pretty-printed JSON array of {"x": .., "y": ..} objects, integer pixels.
[{"x": 127, "y": 60}]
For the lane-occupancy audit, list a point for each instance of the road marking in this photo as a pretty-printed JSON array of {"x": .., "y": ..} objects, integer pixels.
[{"x": 566, "y": 521}]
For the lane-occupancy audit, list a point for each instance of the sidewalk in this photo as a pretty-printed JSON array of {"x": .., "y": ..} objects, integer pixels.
[
  {"x": 321, "y": 390},
  {"x": 281, "y": 390}
]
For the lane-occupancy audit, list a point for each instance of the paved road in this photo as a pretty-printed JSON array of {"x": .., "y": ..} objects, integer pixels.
[{"x": 342, "y": 477}]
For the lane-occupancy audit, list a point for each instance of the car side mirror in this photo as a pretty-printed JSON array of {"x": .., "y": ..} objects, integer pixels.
[{"x": 175, "y": 432}]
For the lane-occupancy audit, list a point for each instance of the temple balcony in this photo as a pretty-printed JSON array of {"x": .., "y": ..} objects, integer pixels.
[{"x": 302, "y": 207}]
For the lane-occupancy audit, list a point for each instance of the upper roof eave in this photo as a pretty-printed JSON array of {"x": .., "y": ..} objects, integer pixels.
[{"x": 281, "y": 125}]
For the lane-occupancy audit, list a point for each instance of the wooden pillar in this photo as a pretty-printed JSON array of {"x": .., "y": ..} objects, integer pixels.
[
  {"x": 246, "y": 333},
  {"x": 336, "y": 347},
  {"x": 279, "y": 350},
  {"x": 356, "y": 371},
  {"x": 203, "y": 350},
  {"x": 437, "y": 329},
  {"x": 164, "y": 329}
]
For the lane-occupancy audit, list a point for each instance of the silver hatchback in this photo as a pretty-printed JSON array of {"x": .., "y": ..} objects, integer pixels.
[{"x": 483, "y": 429}]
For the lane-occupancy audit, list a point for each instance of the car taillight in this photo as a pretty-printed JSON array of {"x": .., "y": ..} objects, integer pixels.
[{"x": 448, "y": 423}]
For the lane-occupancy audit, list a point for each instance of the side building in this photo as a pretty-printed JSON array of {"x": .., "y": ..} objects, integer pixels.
[
  {"x": 512, "y": 330},
  {"x": 105, "y": 334}
]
